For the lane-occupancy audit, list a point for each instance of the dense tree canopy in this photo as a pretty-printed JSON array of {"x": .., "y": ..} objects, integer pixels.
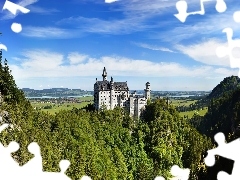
[
  {"x": 107, "y": 144},
  {"x": 222, "y": 116}
]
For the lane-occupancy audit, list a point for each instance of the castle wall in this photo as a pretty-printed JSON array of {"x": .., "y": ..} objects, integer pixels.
[
  {"x": 111, "y": 94},
  {"x": 108, "y": 97}
]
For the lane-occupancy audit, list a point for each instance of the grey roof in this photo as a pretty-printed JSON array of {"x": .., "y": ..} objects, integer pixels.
[
  {"x": 120, "y": 86},
  {"x": 137, "y": 96},
  {"x": 117, "y": 86},
  {"x": 102, "y": 85}
]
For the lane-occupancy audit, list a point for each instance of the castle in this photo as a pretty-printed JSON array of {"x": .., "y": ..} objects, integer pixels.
[{"x": 112, "y": 94}]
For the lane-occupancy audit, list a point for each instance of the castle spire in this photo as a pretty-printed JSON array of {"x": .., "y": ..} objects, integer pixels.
[
  {"x": 147, "y": 90},
  {"x": 104, "y": 75}
]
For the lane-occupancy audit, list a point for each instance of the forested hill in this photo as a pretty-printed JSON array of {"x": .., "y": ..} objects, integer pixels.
[
  {"x": 107, "y": 144},
  {"x": 223, "y": 109},
  {"x": 222, "y": 116},
  {"x": 228, "y": 85}
]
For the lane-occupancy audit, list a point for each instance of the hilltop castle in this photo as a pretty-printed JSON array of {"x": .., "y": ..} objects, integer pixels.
[{"x": 111, "y": 94}]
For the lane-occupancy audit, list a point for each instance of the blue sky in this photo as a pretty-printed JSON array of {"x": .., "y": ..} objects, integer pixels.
[{"x": 67, "y": 44}]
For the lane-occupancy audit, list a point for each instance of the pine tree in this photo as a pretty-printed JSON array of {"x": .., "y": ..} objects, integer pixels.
[{"x": 8, "y": 87}]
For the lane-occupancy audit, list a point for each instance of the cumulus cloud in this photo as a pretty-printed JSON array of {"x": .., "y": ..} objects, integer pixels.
[
  {"x": 41, "y": 59},
  {"x": 154, "y": 48},
  {"x": 41, "y": 63},
  {"x": 76, "y": 58},
  {"x": 205, "y": 52}
]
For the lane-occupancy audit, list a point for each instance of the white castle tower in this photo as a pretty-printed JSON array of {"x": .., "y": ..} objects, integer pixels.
[
  {"x": 111, "y": 94},
  {"x": 147, "y": 90}
]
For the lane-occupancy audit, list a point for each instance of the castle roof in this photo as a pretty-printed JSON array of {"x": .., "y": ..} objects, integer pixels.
[
  {"x": 120, "y": 86},
  {"x": 117, "y": 86}
]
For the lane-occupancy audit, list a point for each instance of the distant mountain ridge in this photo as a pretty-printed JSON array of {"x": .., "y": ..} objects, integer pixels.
[
  {"x": 55, "y": 92},
  {"x": 228, "y": 85}
]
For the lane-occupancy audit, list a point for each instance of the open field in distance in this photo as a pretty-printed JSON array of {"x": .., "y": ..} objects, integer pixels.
[{"x": 52, "y": 106}]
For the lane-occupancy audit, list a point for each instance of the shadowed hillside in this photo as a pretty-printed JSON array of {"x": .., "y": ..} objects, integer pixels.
[{"x": 228, "y": 85}]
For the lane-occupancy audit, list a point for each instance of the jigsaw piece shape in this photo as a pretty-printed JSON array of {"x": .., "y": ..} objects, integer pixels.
[
  {"x": 4, "y": 47},
  {"x": 178, "y": 173},
  {"x": 159, "y": 178},
  {"x": 3, "y": 126},
  {"x": 7, "y": 164},
  {"x": 228, "y": 150},
  {"x": 223, "y": 176},
  {"x": 13, "y": 8},
  {"x": 64, "y": 164},
  {"x": 110, "y": 1},
  {"x": 182, "y": 7},
  {"x": 236, "y": 16},
  {"x": 85, "y": 178},
  {"x": 221, "y": 6},
  {"x": 33, "y": 168},
  {"x": 224, "y": 51}
]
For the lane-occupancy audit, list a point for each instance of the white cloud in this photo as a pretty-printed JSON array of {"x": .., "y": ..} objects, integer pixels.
[
  {"x": 40, "y": 63},
  {"x": 96, "y": 25},
  {"x": 76, "y": 58},
  {"x": 41, "y": 60},
  {"x": 25, "y": 3},
  {"x": 205, "y": 52},
  {"x": 42, "y": 11},
  {"x": 47, "y": 32},
  {"x": 154, "y": 48},
  {"x": 136, "y": 14}
]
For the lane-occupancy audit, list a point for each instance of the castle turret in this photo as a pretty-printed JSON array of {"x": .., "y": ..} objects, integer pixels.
[
  {"x": 111, "y": 94},
  {"x": 104, "y": 74},
  {"x": 147, "y": 91}
]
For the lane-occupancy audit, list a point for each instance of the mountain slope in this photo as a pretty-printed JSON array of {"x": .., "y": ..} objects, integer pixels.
[{"x": 228, "y": 85}]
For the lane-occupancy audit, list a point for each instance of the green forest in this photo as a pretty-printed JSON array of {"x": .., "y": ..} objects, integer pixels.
[{"x": 110, "y": 145}]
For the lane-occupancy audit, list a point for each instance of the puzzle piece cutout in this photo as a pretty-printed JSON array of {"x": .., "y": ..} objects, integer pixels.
[
  {"x": 110, "y": 1},
  {"x": 10, "y": 169},
  {"x": 13, "y": 8},
  {"x": 182, "y": 8},
  {"x": 2, "y": 46},
  {"x": 223, "y": 51},
  {"x": 228, "y": 150},
  {"x": 178, "y": 173}
]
